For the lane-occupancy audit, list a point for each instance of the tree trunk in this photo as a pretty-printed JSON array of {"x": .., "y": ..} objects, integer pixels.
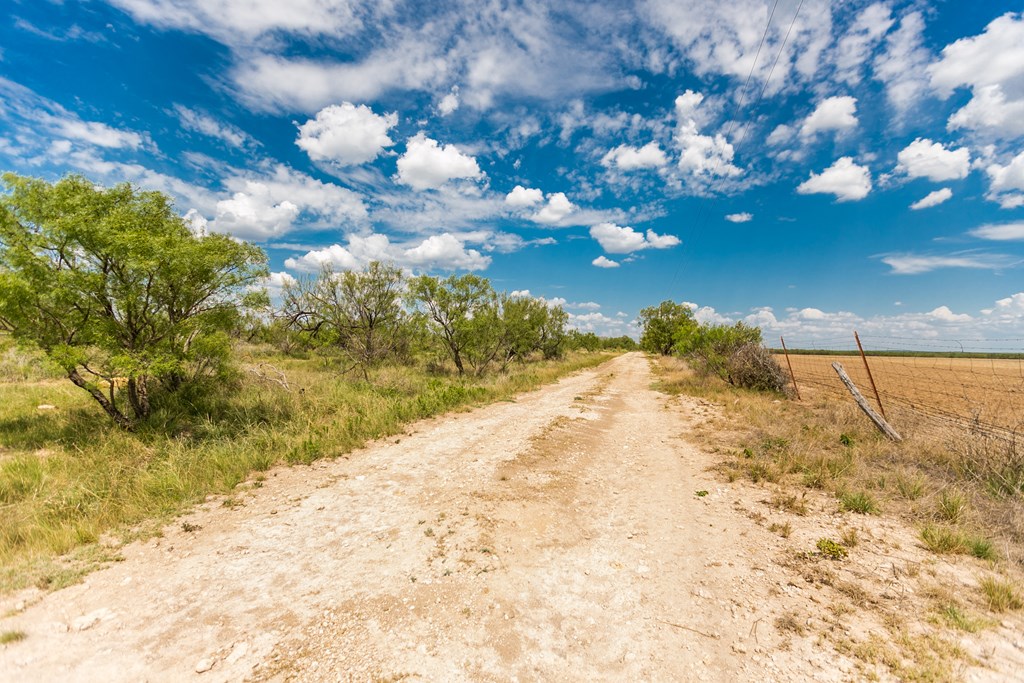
[
  {"x": 138, "y": 396},
  {"x": 108, "y": 406},
  {"x": 457, "y": 357}
]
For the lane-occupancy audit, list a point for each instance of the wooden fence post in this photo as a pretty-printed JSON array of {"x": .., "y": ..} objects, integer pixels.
[
  {"x": 870, "y": 377},
  {"x": 791, "y": 375},
  {"x": 863, "y": 403}
]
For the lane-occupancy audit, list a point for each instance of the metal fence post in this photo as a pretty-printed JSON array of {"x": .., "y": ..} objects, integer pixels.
[
  {"x": 791, "y": 375},
  {"x": 870, "y": 377}
]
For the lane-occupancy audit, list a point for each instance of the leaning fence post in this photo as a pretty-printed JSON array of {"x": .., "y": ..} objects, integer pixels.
[
  {"x": 870, "y": 377},
  {"x": 791, "y": 375},
  {"x": 863, "y": 403}
]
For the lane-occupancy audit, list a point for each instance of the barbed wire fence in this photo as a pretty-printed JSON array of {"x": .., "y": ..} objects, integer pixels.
[{"x": 972, "y": 384}]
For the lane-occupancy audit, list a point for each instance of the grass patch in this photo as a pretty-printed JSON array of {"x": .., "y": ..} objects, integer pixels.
[
  {"x": 861, "y": 502},
  {"x": 1000, "y": 595},
  {"x": 956, "y": 617},
  {"x": 67, "y": 476},
  {"x": 7, "y": 637},
  {"x": 830, "y": 549}
]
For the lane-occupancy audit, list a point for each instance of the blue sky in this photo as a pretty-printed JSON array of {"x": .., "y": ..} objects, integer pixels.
[{"x": 845, "y": 165}]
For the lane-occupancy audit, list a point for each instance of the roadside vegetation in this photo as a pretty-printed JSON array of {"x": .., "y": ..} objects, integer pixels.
[
  {"x": 960, "y": 492},
  {"x": 144, "y": 367}
]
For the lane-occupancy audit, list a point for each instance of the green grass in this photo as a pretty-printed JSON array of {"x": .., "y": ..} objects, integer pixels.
[
  {"x": 860, "y": 502},
  {"x": 1001, "y": 595},
  {"x": 959, "y": 619},
  {"x": 11, "y": 637},
  {"x": 67, "y": 476}
]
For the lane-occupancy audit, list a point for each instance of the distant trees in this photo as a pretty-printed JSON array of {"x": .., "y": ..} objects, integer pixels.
[
  {"x": 733, "y": 353},
  {"x": 660, "y": 324},
  {"x": 115, "y": 289}
]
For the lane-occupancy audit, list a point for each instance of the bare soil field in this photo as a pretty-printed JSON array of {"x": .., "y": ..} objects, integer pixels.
[
  {"x": 580, "y": 532},
  {"x": 989, "y": 391}
]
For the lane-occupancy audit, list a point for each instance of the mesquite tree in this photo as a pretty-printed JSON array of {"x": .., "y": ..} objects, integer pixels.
[{"x": 111, "y": 285}]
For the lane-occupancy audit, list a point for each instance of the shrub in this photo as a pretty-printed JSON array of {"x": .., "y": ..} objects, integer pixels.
[{"x": 752, "y": 366}]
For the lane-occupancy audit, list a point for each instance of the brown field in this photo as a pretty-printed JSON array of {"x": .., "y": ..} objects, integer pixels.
[{"x": 982, "y": 392}]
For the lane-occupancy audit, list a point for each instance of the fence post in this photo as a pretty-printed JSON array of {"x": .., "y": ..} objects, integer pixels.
[
  {"x": 862, "y": 402},
  {"x": 791, "y": 375},
  {"x": 870, "y": 377}
]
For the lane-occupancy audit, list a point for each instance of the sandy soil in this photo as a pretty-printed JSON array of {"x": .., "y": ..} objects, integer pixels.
[{"x": 557, "y": 537}]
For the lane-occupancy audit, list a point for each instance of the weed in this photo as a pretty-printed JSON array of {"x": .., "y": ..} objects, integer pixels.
[
  {"x": 849, "y": 538},
  {"x": 190, "y": 528},
  {"x": 428, "y": 532},
  {"x": 783, "y": 530},
  {"x": 943, "y": 539},
  {"x": 7, "y": 637},
  {"x": 830, "y": 549},
  {"x": 1001, "y": 595},
  {"x": 701, "y": 493},
  {"x": 860, "y": 502},
  {"x": 790, "y": 622},
  {"x": 846, "y": 440},
  {"x": 958, "y": 618},
  {"x": 910, "y": 487},
  {"x": 789, "y": 503},
  {"x": 952, "y": 506}
]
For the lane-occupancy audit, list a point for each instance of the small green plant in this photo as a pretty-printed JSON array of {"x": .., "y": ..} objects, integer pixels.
[
  {"x": 958, "y": 618},
  {"x": 910, "y": 487},
  {"x": 952, "y": 506},
  {"x": 830, "y": 549},
  {"x": 860, "y": 502},
  {"x": 428, "y": 532},
  {"x": 7, "y": 637},
  {"x": 982, "y": 548},
  {"x": 1000, "y": 595},
  {"x": 846, "y": 440},
  {"x": 943, "y": 539},
  {"x": 701, "y": 493}
]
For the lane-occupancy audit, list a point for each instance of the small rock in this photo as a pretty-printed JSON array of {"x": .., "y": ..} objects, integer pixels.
[
  {"x": 19, "y": 606},
  {"x": 204, "y": 665},
  {"x": 739, "y": 648},
  {"x": 86, "y": 622},
  {"x": 45, "y": 406},
  {"x": 237, "y": 653}
]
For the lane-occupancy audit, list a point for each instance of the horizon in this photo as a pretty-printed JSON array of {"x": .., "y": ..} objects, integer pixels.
[{"x": 808, "y": 167}]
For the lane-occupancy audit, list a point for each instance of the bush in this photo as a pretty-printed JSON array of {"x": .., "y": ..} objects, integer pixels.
[{"x": 753, "y": 367}]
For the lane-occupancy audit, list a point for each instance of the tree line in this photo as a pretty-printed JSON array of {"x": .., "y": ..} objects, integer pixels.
[{"x": 116, "y": 290}]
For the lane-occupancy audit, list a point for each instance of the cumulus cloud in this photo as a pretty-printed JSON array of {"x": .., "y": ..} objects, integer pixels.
[
  {"x": 254, "y": 214},
  {"x": 444, "y": 251},
  {"x": 427, "y": 165},
  {"x": 92, "y": 132},
  {"x": 521, "y": 197},
  {"x": 915, "y": 264},
  {"x": 739, "y": 217},
  {"x": 555, "y": 211},
  {"x": 450, "y": 102},
  {"x": 1000, "y": 231},
  {"x": 923, "y": 158},
  {"x": 833, "y": 113},
  {"x": 700, "y": 155},
  {"x": 844, "y": 179},
  {"x": 944, "y": 314},
  {"x": 615, "y": 239},
  {"x": 1006, "y": 182},
  {"x": 628, "y": 158},
  {"x": 991, "y": 65},
  {"x": 603, "y": 262},
  {"x": 200, "y": 122},
  {"x": 346, "y": 134},
  {"x": 932, "y": 199}
]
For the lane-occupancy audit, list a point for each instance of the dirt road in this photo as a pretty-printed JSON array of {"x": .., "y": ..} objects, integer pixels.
[{"x": 557, "y": 537}]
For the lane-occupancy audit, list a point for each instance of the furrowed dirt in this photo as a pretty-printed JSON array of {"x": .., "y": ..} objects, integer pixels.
[{"x": 574, "y": 534}]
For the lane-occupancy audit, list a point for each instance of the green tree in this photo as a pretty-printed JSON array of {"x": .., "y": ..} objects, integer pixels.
[
  {"x": 463, "y": 315},
  {"x": 359, "y": 312},
  {"x": 529, "y": 325},
  {"x": 113, "y": 287},
  {"x": 660, "y": 325}
]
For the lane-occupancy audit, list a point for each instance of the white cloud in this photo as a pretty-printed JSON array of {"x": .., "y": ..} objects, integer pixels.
[
  {"x": 902, "y": 66},
  {"x": 833, "y": 113},
  {"x": 781, "y": 135},
  {"x": 199, "y": 122},
  {"x": 944, "y": 314},
  {"x": 860, "y": 40},
  {"x": 92, "y": 132},
  {"x": 915, "y": 264},
  {"x": 280, "y": 280},
  {"x": 603, "y": 262},
  {"x": 428, "y": 165},
  {"x": 444, "y": 251},
  {"x": 267, "y": 205},
  {"x": 845, "y": 179},
  {"x": 1006, "y": 183},
  {"x": 739, "y": 217},
  {"x": 628, "y": 158},
  {"x": 346, "y": 134},
  {"x": 521, "y": 197},
  {"x": 555, "y": 211},
  {"x": 450, "y": 102},
  {"x": 992, "y": 66},
  {"x": 700, "y": 154},
  {"x": 616, "y": 239},
  {"x": 1000, "y": 231},
  {"x": 923, "y": 158},
  {"x": 932, "y": 199}
]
